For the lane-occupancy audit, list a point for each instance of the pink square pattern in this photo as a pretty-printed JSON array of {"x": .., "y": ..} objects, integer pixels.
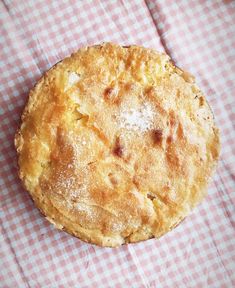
[{"x": 199, "y": 36}]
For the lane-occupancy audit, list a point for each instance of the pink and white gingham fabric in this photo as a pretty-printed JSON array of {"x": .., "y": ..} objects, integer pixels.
[{"x": 200, "y": 37}]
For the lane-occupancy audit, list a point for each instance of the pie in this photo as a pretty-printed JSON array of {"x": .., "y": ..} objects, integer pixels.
[{"x": 116, "y": 144}]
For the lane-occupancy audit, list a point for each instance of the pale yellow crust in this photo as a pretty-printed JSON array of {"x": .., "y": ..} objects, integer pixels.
[{"x": 116, "y": 144}]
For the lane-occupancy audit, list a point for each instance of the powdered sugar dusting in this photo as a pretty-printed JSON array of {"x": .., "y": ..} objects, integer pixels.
[
  {"x": 137, "y": 119},
  {"x": 80, "y": 189},
  {"x": 73, "y": 78}
]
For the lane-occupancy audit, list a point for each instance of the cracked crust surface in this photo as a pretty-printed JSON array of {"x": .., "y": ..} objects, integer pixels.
[{"x": 116, "y": 144}]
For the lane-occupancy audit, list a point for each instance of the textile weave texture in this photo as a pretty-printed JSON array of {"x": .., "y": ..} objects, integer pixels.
[{"x": 199, "y": 35}]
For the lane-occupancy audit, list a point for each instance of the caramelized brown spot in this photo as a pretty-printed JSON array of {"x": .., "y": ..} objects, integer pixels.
[
  {"x": 90, "y": 163},
  {"x": 129, "y": 87},
  {"x": 108, "y": 93},
  {"x": 166, "y": 188},
  {"x": 169, "y": 139},
  {"x": 173, "y": 159},
  {"x": 151, "y": 196},
  {"x": 172, "y": 121},
  {"x": 157, "y": 136},
  {"x": 136, "y": 181},
  {"x": 149, "y": 90},
  {"x": 201, "y": 101},
  {"x": 111, "y": 95},
  {"x": 180, "y": 131},
  {"x": 128, "y": 62},
  {"x": 118, "y": 148},
  {"x": 113, "y": 179}
]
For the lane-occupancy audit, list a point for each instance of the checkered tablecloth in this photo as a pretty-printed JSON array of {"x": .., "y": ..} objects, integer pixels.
[{"x": 200, "y": 37}]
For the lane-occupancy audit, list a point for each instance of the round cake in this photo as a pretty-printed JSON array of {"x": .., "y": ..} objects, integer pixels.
[{"x": 116, "y": 144}]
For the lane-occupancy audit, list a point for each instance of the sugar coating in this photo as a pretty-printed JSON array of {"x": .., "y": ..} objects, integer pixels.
[{"x": 140, "y": 120}]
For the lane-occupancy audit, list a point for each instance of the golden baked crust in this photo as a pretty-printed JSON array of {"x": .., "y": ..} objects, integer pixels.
[{"x": 116, "y": 144}]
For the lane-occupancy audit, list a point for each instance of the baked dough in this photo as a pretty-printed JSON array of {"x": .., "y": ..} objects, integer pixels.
[{"x": 116, "y": 144}]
